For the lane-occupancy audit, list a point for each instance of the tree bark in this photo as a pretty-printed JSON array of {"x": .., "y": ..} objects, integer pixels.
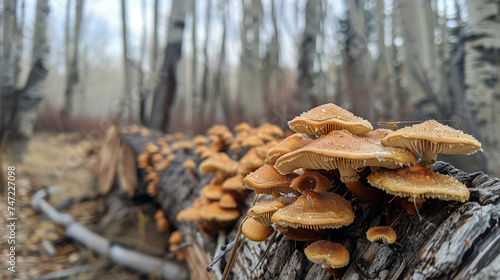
[
  {"x": 165, "y": 90},
  {"x": 127, "y": 108},
  {"x": 26, "y": 100},
  {"x": 72, "y": 75},
  {"x": 482, "y": 64}
]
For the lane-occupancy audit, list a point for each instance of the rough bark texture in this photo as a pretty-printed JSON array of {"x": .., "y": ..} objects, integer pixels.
[
  {"x": 449, "y": 240},
  {"x": 165, "y": 90}
]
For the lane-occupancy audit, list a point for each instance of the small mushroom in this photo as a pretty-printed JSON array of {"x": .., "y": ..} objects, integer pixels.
[
  {"x": 289, "y": 144},
  {"x": 212, "y": 192},
  {"x": 329, "y": 117},
  {"x": 267, "y": 180},
  {"x": 234, "y": 183},
  {"x": 431, "y": 138},
  {"x": 218, "y": 162},
  {"x": 228, "y": 201},
  {"x": 329, "y": 254},
  {"x": 161, "y": 222},
  {"x": 263, "y": 210},
  {"x": 256, "y": 231},
  {"x": 190, "y": 165},
  {"x": 213, "y": 212},
  {"x": 386, "y": 234},
  {"x": 315, "y": 211}
]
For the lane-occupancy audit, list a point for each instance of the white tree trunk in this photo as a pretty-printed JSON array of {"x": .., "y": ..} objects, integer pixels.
[{"x": 482, "y": 69}]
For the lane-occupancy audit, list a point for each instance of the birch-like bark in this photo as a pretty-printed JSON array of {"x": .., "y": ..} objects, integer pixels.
[
  {"x": 72, "y": 75},
  {"x": 18, "y": 52},
  {"x": 482, "y": 71},
  {"x": 140, "y": 89},
  {"x": 27, "y": 99},
  {"x": 166, "y": 87}
]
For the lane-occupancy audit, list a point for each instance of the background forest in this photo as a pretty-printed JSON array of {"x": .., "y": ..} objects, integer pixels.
[{"x": 185, "y": 65}]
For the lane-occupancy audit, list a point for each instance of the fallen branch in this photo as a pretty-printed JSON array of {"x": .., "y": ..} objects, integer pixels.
[{"x": 116, "y": 253}]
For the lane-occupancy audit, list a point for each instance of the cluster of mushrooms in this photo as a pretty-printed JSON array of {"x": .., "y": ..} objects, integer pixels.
[
  {"x": 219, "y": 205},
  {"x": 302, "y": 172}
]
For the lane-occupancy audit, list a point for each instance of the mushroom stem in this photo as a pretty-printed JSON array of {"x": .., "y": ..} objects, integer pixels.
[
  {"x": 411, "y": 207},
  {"x": 428, "y": 159},
  {"x": 364, "y": 193}
]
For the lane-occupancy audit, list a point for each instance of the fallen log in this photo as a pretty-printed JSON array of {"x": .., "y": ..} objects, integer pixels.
[{"x": 447, "y": 240}]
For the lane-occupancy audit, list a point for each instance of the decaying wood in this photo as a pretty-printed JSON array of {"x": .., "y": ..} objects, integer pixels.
[
  {"x": 108, "y": 159},
  {"x": 448, "y": 240},
  {"x": 127, "y": 170}
]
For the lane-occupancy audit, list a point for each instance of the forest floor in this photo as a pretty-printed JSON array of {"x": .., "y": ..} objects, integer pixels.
[{"x": 68, "y": 163}]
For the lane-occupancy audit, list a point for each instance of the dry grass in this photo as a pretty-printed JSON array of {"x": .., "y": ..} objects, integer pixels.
[{"x": 66, "y": 161}]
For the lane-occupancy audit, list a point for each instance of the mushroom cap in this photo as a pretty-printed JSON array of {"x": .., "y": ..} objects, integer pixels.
[
  {"x": 218, "y": 162},
  {"x": 200, "y": 140},
  {"x": 189, "y": 164},
  {"x": 327, "y": 253},
  {"x": 179, "y": 145},
  {"x": 329, "y": 117},
  {"x": 213, "y": 212},
  {"x": 256, "y": 231},
  {"x": 268, "y": 180},
  {"x": 228, "y": 200},
  {"x": 311, "y": 181},
  {"x": 263, "y": 150},
  {"x": 217, "y": 129},
  {"x": 252, "y": 141},
  {"x": 175, "y": 237},
  {"x": 342, "y": 149},
  {"x": 270, "y": 129},
  {"x": 213, "y": 192},
  {"x": 234, "y": 183},
  {"x": 289, "y": 144},
  {"x": 433, "y": 136},
  {"x": 263, "y": 210},
  {"x": 242, "y": 126},
  {"x": 419, "y": 182},
  {"x": 251, "y": 160},
  {"x": 315, "y": 211},
  {"x": 380, "y": 233},
  {"x": 189, "y": 214},
  {"x": 151, "y": 148}
]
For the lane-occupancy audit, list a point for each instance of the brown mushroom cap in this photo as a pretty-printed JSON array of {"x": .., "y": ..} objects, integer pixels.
[
  {"x": 420, "y": 183},
  {"x": 315, "y": 211},
  {"x": 217, "y": 129},
  {"x": 175, "y": 237},
  {"x": 243, "y": 126},
  {"x": 311, "y": 181},
  {"x": 289, "y": 144},
  {"x": 252, "y": 141},
  {"x": 434, "y": 136},
  {"x": 431, "y": 138},
  {"x": 256, "y": 231},
  {"x": 329, "y": 117},
  {"x": 213, "y": 192},
  {"x": 234, "y": 183},
  {"x": 251, "y": 160},
  {"x": 200, "y": 140},
  {"x": 271, "y": 129},
  {"x": 182, "y": 145},
  {"x": 327, "y": 253},
  {"x": 381, "y": 233},
  {"x": 189, "y": 164},
  {"x": 218, "y": 162},
  {"x": 213, "y": 212},
  {"x": 228, "y": 200},
  {"x": 268, "y": 180},
  {"x": 263, "y": 210},
  {"x": 193, "y": 213},
  {"x": 342, "y": 149}
]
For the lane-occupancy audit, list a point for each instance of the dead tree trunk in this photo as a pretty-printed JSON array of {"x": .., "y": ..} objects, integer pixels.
[{"x": 446, "y": 241}]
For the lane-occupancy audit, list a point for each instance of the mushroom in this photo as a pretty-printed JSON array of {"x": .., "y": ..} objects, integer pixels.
[
  {"x": 212, "y": 191},
  {"x": 218, "y": 162},
  {"x": 431, "y": 138},
  {"x": 256, "y": 231},
  {"x": 346, "y": 152},
  {"x": 200, "y": 140},
  {"x": 228, "y": 200},
  {"x": 213, "y": 212},
  {"x": 252, "y": 141},
  {"x": 329, "y": 117},
  {"x": 271, "y": 129},
  {"x": 419, "y": 183},
  {"x": 314, "y": 210},
  {"x": 289, "y": 144},
  {"x": 161, "y": 223},
  {"x": 386, "y": 234},
  {"x": 193, "y": 213},
  {"x": 190, "y": 165},
  {"x": 267, "y": 180},
  {"x": 329, "y": 254},
  {"x": 182, "y": 145},
  {"x": 311, "y": 181},
  {"x": 234, "y": 183},
  {"x": 175, "y": 240},
  {"x": 243, "y": 126},
  {"x": 262, "y": 211}
]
